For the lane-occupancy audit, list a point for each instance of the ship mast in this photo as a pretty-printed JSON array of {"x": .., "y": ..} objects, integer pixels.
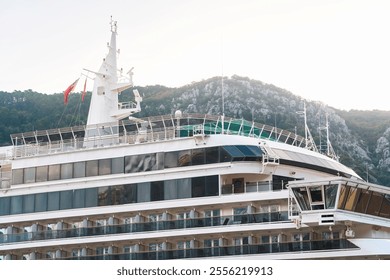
[
  {"x": 329, "y": 148},
  {"x": 104, "y": 107},
  {"x": 309, "y": 141}
]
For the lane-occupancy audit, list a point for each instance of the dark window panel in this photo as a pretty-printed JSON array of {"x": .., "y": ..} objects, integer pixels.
[
  {"x": 198, "y": 186},
  {"x": 212, "y": 155},
  {"x": 16, "y": 205},
  {"x": 157, "y": 191},
  {"x": 53, "y": 201},
  {"x": 198, "y": 156},
  {"x": 79, "y": 198},
  {"x": 28, "y": 203},
  {"x": 66, "y": 199},
  {"x": 41, "y": 202},
  {"x": 5, "y": 205},
  {"x": 91, "y": 197}
]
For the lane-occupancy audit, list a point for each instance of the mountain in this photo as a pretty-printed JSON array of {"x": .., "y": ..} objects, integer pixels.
[{"x": 361, "y": 139}]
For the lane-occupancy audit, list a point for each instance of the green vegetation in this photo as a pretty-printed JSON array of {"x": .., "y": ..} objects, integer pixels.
[{"x": 354, "y": 134}]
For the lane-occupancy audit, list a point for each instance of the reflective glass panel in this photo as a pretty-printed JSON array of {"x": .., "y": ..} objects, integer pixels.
[
  {"x": 91, "y": 197},
  {"x": 170, "y": 189},
  {"x": 184, "y": 188},
  {"x": 330, "y": 196},
  {"x": 28, "y": 203},
  {"x": 212, "y": 155},
  {"x": 104, "y": 196},
  {"x": 79, "y": 169},
  {"x": 41, "y": 202},
  {"x": 66, "y": 171},
  {"x": 16, "y": 205},
  {"x": 184, "y": 158},
  {"x": 79, "y": 198},
  {"x": 385, "y": 209},
  {"x": 343, "y": 196},
  {"x": 140, "y": 163},
  {"x": 105, "y": 166},
  {"x": 157, "y": 191},
  {"x": 224, "y": 156},
  {"x": 117, "y": 193},
  {"x": 29, "y": 175},
  {"x": 212, "y": 186},
  {"x": 302, "y": 198},
  {"x": 54, "y": 172},
  {"x": 159, "y": 161},
  {"x": 130, "y": 194},
  {"x": 351, "y": 199},
  {"x": 198, "y": 156},
  {"x": 375, "y": 204},
  {"x": 42, "y": 173},
  {"x": 198, "y": 186},
  {"x": 246, "y": 151},
  {"x": 92, "y": 168},
  {"x": 171, "y": 159},
  {"x": 5, "y": 203},
  {"x": 234, "y": 152},
  {"x": 17, "y": 176},
  {"x": 53, "y": 201},
  {"x": 66, "y": 199},
  {"x": 143, "y": 192},
  {"x": 255, "y": 150},
  {"x": 118, "y": 165},
  {"x": 316, "y": 194},
  {"x": 362, "y": 202}
]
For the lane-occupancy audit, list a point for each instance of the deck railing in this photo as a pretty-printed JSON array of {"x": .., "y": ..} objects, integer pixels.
[
  {"x": 146, "y": 227},
  {"x": 132, "y": 131}
]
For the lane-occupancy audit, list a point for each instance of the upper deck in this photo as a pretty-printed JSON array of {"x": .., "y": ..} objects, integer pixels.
[{"x": 133, "y": 131}]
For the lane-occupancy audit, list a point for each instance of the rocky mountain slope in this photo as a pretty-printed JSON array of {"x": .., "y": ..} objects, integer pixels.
[{"x": 361, "y": 139}]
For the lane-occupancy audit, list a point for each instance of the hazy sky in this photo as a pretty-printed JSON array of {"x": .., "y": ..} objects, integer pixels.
[{"x": 334, "y": 51}]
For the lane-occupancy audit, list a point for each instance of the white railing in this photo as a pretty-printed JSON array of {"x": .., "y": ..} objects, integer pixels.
[{"x": 158, "y": 128}]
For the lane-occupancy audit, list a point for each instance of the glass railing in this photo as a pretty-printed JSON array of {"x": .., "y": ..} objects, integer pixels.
[
  {"x": 286, "y": 247},
  {"x": 155, "y": 128},
  {"x": 146, "y": 227}
]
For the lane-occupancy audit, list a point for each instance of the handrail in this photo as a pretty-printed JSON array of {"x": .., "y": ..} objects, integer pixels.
[
  {"x": 220, "y": 251},
  {"x": 146, "y": 227},
  {"x": 150, "y": 129}
]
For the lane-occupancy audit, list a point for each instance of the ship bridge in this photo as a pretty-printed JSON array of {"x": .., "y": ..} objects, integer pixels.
[{"x": 341, "y": 202}]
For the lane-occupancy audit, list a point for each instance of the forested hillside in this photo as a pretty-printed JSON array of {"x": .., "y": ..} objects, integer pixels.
[{"x": 360, "y": 138}]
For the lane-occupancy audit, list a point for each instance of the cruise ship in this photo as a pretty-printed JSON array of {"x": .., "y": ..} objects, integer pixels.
[{"x": 180, "y": 186}]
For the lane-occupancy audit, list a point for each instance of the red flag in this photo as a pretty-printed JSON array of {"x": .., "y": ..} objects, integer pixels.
[
  {"x": 84, "y": 90},
  {"x": 69, "y": 90}
]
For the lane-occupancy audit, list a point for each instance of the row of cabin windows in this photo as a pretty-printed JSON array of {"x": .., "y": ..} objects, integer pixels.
[
  {"x": 111, "y": 195},
  {"x": 135, "y": 163}
]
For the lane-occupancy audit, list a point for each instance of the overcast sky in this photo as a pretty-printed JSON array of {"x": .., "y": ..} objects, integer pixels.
[{"x": 333, "y": 51}]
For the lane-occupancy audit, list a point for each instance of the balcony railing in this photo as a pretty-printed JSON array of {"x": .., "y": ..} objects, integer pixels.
[
  {"x": 286, "y": 247},
  {"x": 146, "y": 227}
]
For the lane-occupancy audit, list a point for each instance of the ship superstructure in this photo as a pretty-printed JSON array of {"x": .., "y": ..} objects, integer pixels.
[{"x": 181, "y": 186}]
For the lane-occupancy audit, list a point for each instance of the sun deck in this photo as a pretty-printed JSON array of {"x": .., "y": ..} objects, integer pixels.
[{"x": 134, "y": 130}]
